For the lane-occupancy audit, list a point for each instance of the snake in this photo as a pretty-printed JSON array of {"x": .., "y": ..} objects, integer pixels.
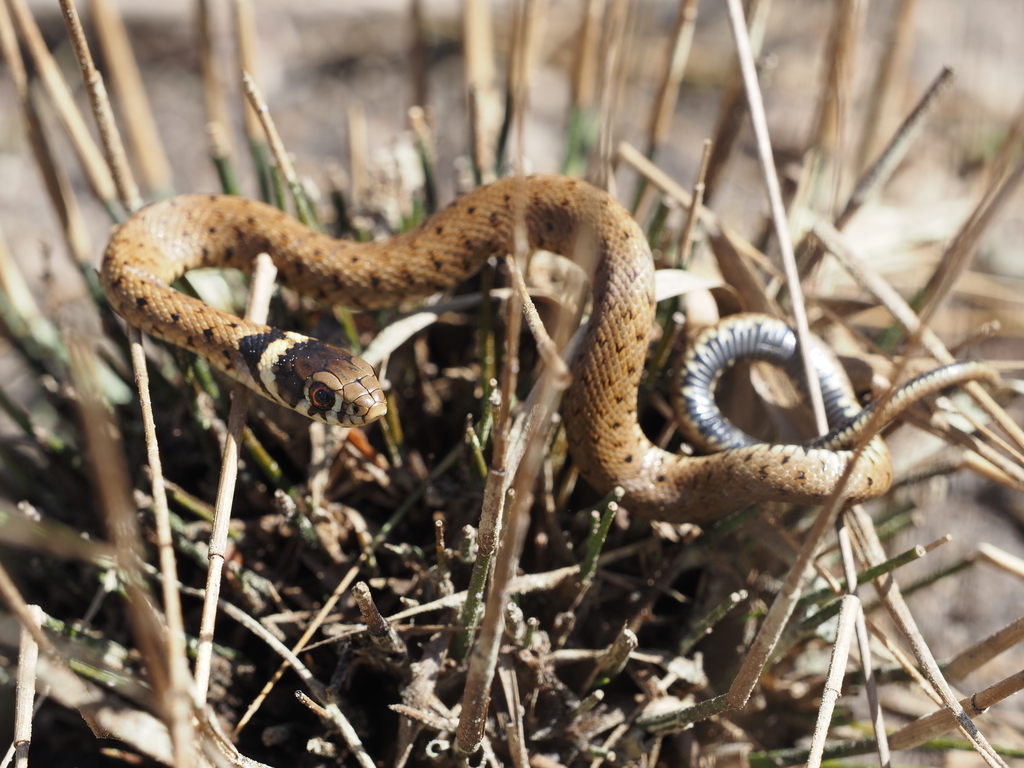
[{"x": 162, "y": 241}]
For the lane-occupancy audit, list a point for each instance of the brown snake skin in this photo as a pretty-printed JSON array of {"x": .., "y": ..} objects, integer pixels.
[{"x": 164, "y": 240}]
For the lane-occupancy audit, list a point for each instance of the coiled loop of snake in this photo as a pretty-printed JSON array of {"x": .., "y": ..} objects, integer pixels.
[{"x": 166, "y": 239}]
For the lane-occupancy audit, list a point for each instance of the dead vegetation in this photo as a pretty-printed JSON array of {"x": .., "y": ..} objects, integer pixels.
[{"x": 209, "y": 579}]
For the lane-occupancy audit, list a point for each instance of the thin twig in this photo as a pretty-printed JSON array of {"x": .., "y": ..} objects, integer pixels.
[
  {"x": 58, "y": 187},
  {"x": 95, "y": 167},
  {"x": 179, "y": 699},
  {"x": 863, "y": 642},
  {"x": 697, "y": 199},
  {"x": 875, "y": 284},
  {"x": 113, "y": 147},
  {"x": 277, "y": 147},
  {"x": 882, "y": 97},
  {"x": 545, "y": 346},
  {"x": 24, "y": 703},
  {"x": 875, "y": 177},
  {"x": 889, "y": 593},
  {"x": 961, "y": 250},
  {"x": 260, "y": 289},
  {"x": 126, "y": 80},
  {"x": 850, "y": 608},
  {"x": 984, "y": 650},
  {"x": 778, "y": 211}
]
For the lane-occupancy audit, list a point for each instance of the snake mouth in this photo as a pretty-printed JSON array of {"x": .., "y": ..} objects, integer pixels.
[{"x": 378, "y": 409}]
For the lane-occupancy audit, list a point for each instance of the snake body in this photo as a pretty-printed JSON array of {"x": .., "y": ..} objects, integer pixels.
[{"x": 164, "y": 240}]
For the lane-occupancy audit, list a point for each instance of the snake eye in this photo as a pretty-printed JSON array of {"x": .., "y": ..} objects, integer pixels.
[{"x": 321, "y": 396}]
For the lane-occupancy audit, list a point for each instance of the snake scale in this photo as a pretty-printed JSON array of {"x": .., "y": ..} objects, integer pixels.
[{"x": 164, "y": 240}]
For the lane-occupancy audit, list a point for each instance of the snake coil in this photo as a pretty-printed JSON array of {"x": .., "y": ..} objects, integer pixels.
[{"x": 163, "y": 241}]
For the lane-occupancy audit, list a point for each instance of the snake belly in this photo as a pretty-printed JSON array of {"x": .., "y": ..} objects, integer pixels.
[{"x": 164, "y": 240}]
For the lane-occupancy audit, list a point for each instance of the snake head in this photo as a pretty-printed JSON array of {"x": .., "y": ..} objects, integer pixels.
[
  {"x": 338, "y": 397},
  {"x": 315, "y": 379}
]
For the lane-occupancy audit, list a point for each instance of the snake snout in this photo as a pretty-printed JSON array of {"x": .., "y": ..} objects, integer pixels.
[{"x": 364, "y": 401}]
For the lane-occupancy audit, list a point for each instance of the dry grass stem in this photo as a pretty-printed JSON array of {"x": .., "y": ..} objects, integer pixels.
[
  {"x": 358, "y": 153},
  {"x": 779, "y": 219},
  {"x": 984, "y": 650},
  {"x": 986, "y": 469},
  {"x": 277, "y": 148},
  {"x": 668, "y": 90},
  {"x": 1001, "y": 559},
  {"x": 696, "y": 202},
  {"x": 93, "y": 164},
  {"x": 545, "y": 346},
  {"x": 835, "y": 98},
  {"x": 311, "y": 629},
  {"x": 59, "y": 189},
  {"x": 521, "y": 585},
  {"x": 940, "y": 427},
  {"x": 484, "y": 104},
  {"x": 834, "y": 681},
  {"x": 942, "y": 721},
  {"x": 126, "y": 80},
  {"x": 261, "y": 285},
  {"x": 892, "y": 599},
  {"x": 891, "y": 75},
  {"x": 863, "y": 644},
  {"x": 720, "y": 234},
  {"x": 611, "y": 81},
  {"x": 119, "y": 515},
  {"x": 732, "y": 106},
  {"x": 218, "y": 120},
  {"x": 875, "y": 177},
  {"x": 672, "y": 76},
  {"x": 584, "y": 73},
  {"x": 179, "y": 703},
  {"x": 380, "y": 629},
  {"x": 877, "y": 286},
  {"x": 113, "y": 147},
  {"x": 613, "y": 660},
  {"x": 24, "y": 702},
  {"x": 945, "y": 404},
  {"x": 534, "y": 437},
  {"x": 515, "y": 732},
  {"x": 245, "y": 22},
  {"x": 958, "y": 255}
]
